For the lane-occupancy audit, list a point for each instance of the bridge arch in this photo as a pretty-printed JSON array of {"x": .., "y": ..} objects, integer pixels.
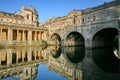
[
  {"x": 56, "y": 39},
  {"x": 76, "y": 52},
  {"x": 74, "y": 38},
  {"x": 103, "y": 49},
  {"x": 55, "y": 51}
]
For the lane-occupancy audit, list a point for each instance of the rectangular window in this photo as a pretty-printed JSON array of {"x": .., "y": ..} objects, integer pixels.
[
  {"x": 83, "y": 20},
  {"x": 108, "y": 14}
]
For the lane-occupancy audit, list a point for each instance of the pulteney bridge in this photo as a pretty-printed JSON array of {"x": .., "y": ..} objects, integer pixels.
[
  {"x": 101, "y": 34},
  {"x": 97, "y": 27}
]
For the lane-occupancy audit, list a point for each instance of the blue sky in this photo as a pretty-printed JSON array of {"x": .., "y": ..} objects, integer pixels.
[{"x": 49, "y": 8}]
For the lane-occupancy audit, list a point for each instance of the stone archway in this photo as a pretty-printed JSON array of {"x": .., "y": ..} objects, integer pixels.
[
  {"x": 103, "y": 45},
  {"x": 75, "y": 39},
  {"x": 75, "y": 50}
]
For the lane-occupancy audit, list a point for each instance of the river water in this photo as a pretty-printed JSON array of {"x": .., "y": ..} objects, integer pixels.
[{"x": 58, "y": 63}]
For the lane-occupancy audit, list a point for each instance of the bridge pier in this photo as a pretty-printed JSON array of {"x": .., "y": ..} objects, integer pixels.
[
  {"x": 88, "y": 43},
  {"x": 119, "y": 38},
  {"x": 119, "y": 44},
  {"x": 63, "y": 42}
]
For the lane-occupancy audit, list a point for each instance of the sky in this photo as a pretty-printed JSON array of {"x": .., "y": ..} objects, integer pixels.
[{"x": 49, "y": 8}]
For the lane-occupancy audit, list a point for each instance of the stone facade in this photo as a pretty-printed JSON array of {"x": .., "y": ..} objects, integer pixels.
[
  {"x": 21, "y": 28},
  {"x": 93, "y": 27},
  {"x": 82, "y": 18},
  {"x": 60, "y": 23}
]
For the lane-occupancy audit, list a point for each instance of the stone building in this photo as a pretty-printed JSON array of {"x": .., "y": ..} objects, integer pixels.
[
  {"x": 21, "y": 28},
  {"x": 61, "y": 29},
  {"x": 60, "y": 23},
  {"x": 81, "y": 17},
  {"x": 101, "y": 12}
]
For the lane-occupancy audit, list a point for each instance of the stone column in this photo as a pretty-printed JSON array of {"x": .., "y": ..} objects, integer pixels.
[
  {"x": 35, "y": 54},
  {"x": 29, "y": 37},
  {"x": 17, "y": 35},
  {"x": 23, "y": 53},
  {"x": 35, "y": 38},
  {"x": 9, "y": 57},
  {"x": 38, "y": 35},
  {"x": 9, "y": 35},
  {"x": 23, "y": 36},
  {"x": 29, "y": 51},
  {"x": 44, "y": 35},
  {"x": 41, "y": 35},
  {"x": 1, "y": 34},
  {"x": 16, "y": 57}
]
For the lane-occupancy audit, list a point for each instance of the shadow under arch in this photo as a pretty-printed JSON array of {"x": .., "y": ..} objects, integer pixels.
[
  {"x": 75, "y": 50},
  {"x": 56, "y": 39},
  {"x": 75, "y": 39},
  {"x": 103, "y": 45}
]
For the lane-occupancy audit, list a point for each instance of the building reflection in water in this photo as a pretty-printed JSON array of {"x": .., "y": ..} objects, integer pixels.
[{"x": 72, "y": 63}]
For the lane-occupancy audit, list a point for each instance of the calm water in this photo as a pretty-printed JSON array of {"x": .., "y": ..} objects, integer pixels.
[{"x": 58, "y": 63}]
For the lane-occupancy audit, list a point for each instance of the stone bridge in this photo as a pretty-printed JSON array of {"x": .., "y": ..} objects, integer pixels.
[{"x": 100, "y": 34}]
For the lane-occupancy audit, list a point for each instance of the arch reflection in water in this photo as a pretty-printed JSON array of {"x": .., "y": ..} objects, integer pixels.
[
  {"x": 105, "y": 59},
  {"x": 75, "y": 54},
  {"x": 56, "y": 40},
  {"x": 104, "y": 48},
  {"x": 28, "y": 68},
  {"x": 55, "y": 51}
]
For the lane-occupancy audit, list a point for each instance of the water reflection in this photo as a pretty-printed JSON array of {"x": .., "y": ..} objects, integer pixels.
[
  {"x": 75, "y": 54},
  {"x": 55, "y": 63},
  {"x": 45, "y": 74},
  {"x": 105, "y": 59},
  {"x": 55, "y": 51}
]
